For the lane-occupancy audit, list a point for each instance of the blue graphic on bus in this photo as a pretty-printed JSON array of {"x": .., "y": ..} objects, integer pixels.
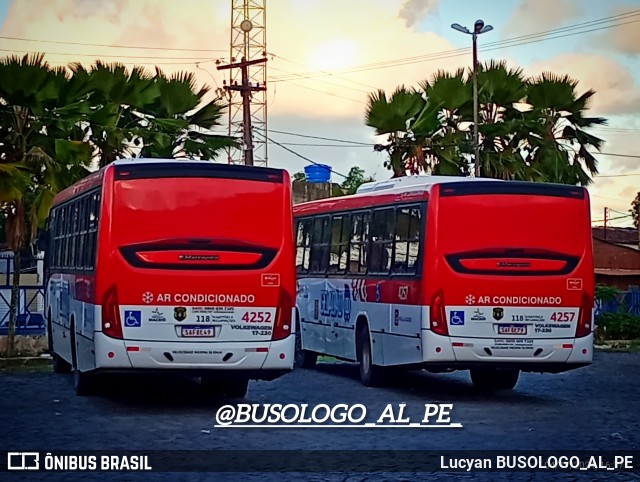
[
  {"x": 132, "y": 319},
  {"x": 347, "y": 303},
  {"x": 457, "y": 318},
  {"x": 335, "y": 303}
]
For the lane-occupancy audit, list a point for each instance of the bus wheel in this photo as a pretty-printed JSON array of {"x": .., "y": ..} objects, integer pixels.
[
  {"x": 304, "y": 358},
  {"x": 370, "y": 374},
  {"x": 494, "y": 378}
]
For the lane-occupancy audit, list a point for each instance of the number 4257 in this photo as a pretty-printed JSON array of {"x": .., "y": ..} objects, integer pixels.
[{"x": 563, "y": 316}]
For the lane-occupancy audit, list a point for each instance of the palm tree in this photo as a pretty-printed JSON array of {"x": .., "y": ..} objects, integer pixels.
[
  {"x": 177, "y": 124},
  {"x": 557, "y": 144},
  {"x": 391, "y": 117},
  {"x": 150, "y": 115},
  {"x": 440, "y": 125},
  {"x": 40, "y": 145}
]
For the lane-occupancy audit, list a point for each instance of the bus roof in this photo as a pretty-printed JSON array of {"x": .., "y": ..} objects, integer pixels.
[
  {"x": 417, "y": 188},
  {"x": 95, "y": 178},
  {"x": 419, "y": 182}
]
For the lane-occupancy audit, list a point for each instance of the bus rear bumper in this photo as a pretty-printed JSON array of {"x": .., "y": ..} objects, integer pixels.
[
  {"x": 540, "y": 355},
  {"x": 251, "y": 357}
]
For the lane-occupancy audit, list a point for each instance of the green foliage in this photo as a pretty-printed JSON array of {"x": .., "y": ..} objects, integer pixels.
[
  {"x": 529, "y": 128},
  {"x": 635, "y": 210},
  {"x": 354, "y": 179},
  {"x": 619, "y": 326},
  {"x": 606, "y": 293}
]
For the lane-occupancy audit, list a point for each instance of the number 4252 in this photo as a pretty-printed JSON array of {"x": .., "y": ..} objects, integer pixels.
[
  {"x": 563, "y": 316},
  {"x": 257, "y": 317}
]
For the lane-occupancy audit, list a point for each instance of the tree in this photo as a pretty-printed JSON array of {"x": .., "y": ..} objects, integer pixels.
[
  {"x": 355, "y": 178},
  {"x": 39, "y": 109},
  {"x": 635, "y": 210},
  {"x": 151, "y": 115},
  {"x": 530, "y": 128},
  {"x": 555, "y": 142},
  {"x": 390, "y": 117}
]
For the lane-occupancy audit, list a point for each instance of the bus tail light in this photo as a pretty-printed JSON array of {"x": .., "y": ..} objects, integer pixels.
[
  {"x": 585, "y": 320},
  {"x": 111, "y": 323},
  {"x": 438, "y": 316},
  {"x": 282, "y": 325}
]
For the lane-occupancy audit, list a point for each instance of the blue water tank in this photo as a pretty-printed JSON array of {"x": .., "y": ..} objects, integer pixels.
[{"x": 318, "y": 173}]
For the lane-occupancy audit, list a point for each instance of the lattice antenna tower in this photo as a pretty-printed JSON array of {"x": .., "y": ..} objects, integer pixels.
[{"x": 249, "y": 42}]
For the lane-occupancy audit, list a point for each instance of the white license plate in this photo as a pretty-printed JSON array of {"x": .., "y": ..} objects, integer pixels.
[
  {"x": 197, "y": 331},
  {"x": 512, "y": 329}
]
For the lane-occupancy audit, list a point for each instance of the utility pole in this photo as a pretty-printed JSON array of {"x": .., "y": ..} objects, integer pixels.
[
  {"x": 245, "y": 90},
  {"x": 478, "y": 28},
  {"x": 606, "y": 214}
]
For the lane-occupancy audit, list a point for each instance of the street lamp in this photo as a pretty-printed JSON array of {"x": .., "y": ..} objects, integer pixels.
[{"x": 478, "y": 28}]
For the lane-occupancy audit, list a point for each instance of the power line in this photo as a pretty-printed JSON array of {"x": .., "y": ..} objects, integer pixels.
[
  {"x": 296, "y": 153},
  {"x": 200, "y": 59},
  {"x": 512, "y": 42},
  {"x": 320, "y": 138},
  {"x": 324, "y": 72},
  {"x": 330, "y": 83},
  {"x": 84, "y": 44}
]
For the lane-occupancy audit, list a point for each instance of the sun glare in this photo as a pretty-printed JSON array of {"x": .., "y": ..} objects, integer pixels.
[{"x": 335, "y": 54}]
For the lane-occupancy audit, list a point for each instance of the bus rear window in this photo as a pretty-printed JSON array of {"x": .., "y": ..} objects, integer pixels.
[{"x": 198, "y": 222}]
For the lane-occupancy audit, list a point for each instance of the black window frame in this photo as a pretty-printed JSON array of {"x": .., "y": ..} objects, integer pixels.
[{"x": 322, "y": 249}]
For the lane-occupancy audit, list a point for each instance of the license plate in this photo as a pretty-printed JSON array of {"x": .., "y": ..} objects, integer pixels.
[
  {"x": 197, "y": 331},
  {"x": 512, "y": 329}
]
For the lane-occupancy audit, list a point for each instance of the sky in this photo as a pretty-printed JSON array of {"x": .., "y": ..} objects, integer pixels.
[{"x": 316, "y": 48}]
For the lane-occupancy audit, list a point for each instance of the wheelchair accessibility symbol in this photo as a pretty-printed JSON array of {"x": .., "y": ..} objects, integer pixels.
[
  {"x": 132, "y": 319},
  {"x": 457, "y": 318}
]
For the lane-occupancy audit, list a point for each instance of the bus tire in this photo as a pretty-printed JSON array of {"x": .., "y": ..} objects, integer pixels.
[
  {"x": 83, "y": 383},
  {"x": 59, "y": 364},
  {"x": 494, "y": 378},
  {"x": 370, "y": 374},
  {"x": 303, "y": 358}
]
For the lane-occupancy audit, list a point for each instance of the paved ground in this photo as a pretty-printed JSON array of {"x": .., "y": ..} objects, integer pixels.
[{"x": 589, "y": 408}]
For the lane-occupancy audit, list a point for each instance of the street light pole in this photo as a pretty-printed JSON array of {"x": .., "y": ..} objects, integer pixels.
[
  {"x": 476, "y": 143},
  {"x": 478, "y": 28}
]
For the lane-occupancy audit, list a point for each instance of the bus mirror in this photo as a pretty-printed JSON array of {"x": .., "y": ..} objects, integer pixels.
[{"x": 42, "y": 243}]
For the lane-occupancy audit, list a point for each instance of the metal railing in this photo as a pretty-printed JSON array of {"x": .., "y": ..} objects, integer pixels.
[
  {"x": 31, "y": 294},
  {"x": 623, "y": 302}
]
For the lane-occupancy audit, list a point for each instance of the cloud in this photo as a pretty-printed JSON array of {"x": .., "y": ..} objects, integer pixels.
[
  {"x": 540, "y": 15},
  {"x": 413, "y": 11},
  {"x": 626, "y": 37},
  {"x": 617, "y": 92}
]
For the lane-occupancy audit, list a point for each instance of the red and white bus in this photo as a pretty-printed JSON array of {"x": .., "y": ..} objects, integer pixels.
[
  {"x": 447, "y": 273},
  {"x": 158, "y": 265}
]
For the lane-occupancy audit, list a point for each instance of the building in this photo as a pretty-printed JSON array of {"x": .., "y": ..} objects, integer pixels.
[{"x": 616, "y": 256}]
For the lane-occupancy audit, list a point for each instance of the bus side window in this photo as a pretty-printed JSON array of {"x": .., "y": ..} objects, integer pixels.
[
  {"x": 303, "y": 245},
  {"x": 382, "y": 240},
  {"x": 413, "y": 248},
  {"x": 340, "y": 229},
  {"x": 359, "y": 243},
  {"x": 316, "y": 245}
]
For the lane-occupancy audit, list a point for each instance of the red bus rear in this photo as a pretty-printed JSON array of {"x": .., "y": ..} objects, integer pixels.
[
  {"x": 194, "y": 271},
  {"x": 510, "y": 276}
]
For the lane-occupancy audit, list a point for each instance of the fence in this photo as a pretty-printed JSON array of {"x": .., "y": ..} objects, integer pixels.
[
  {"x": 624, "y": 301},
  {"x": 31, "y": 319}
]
